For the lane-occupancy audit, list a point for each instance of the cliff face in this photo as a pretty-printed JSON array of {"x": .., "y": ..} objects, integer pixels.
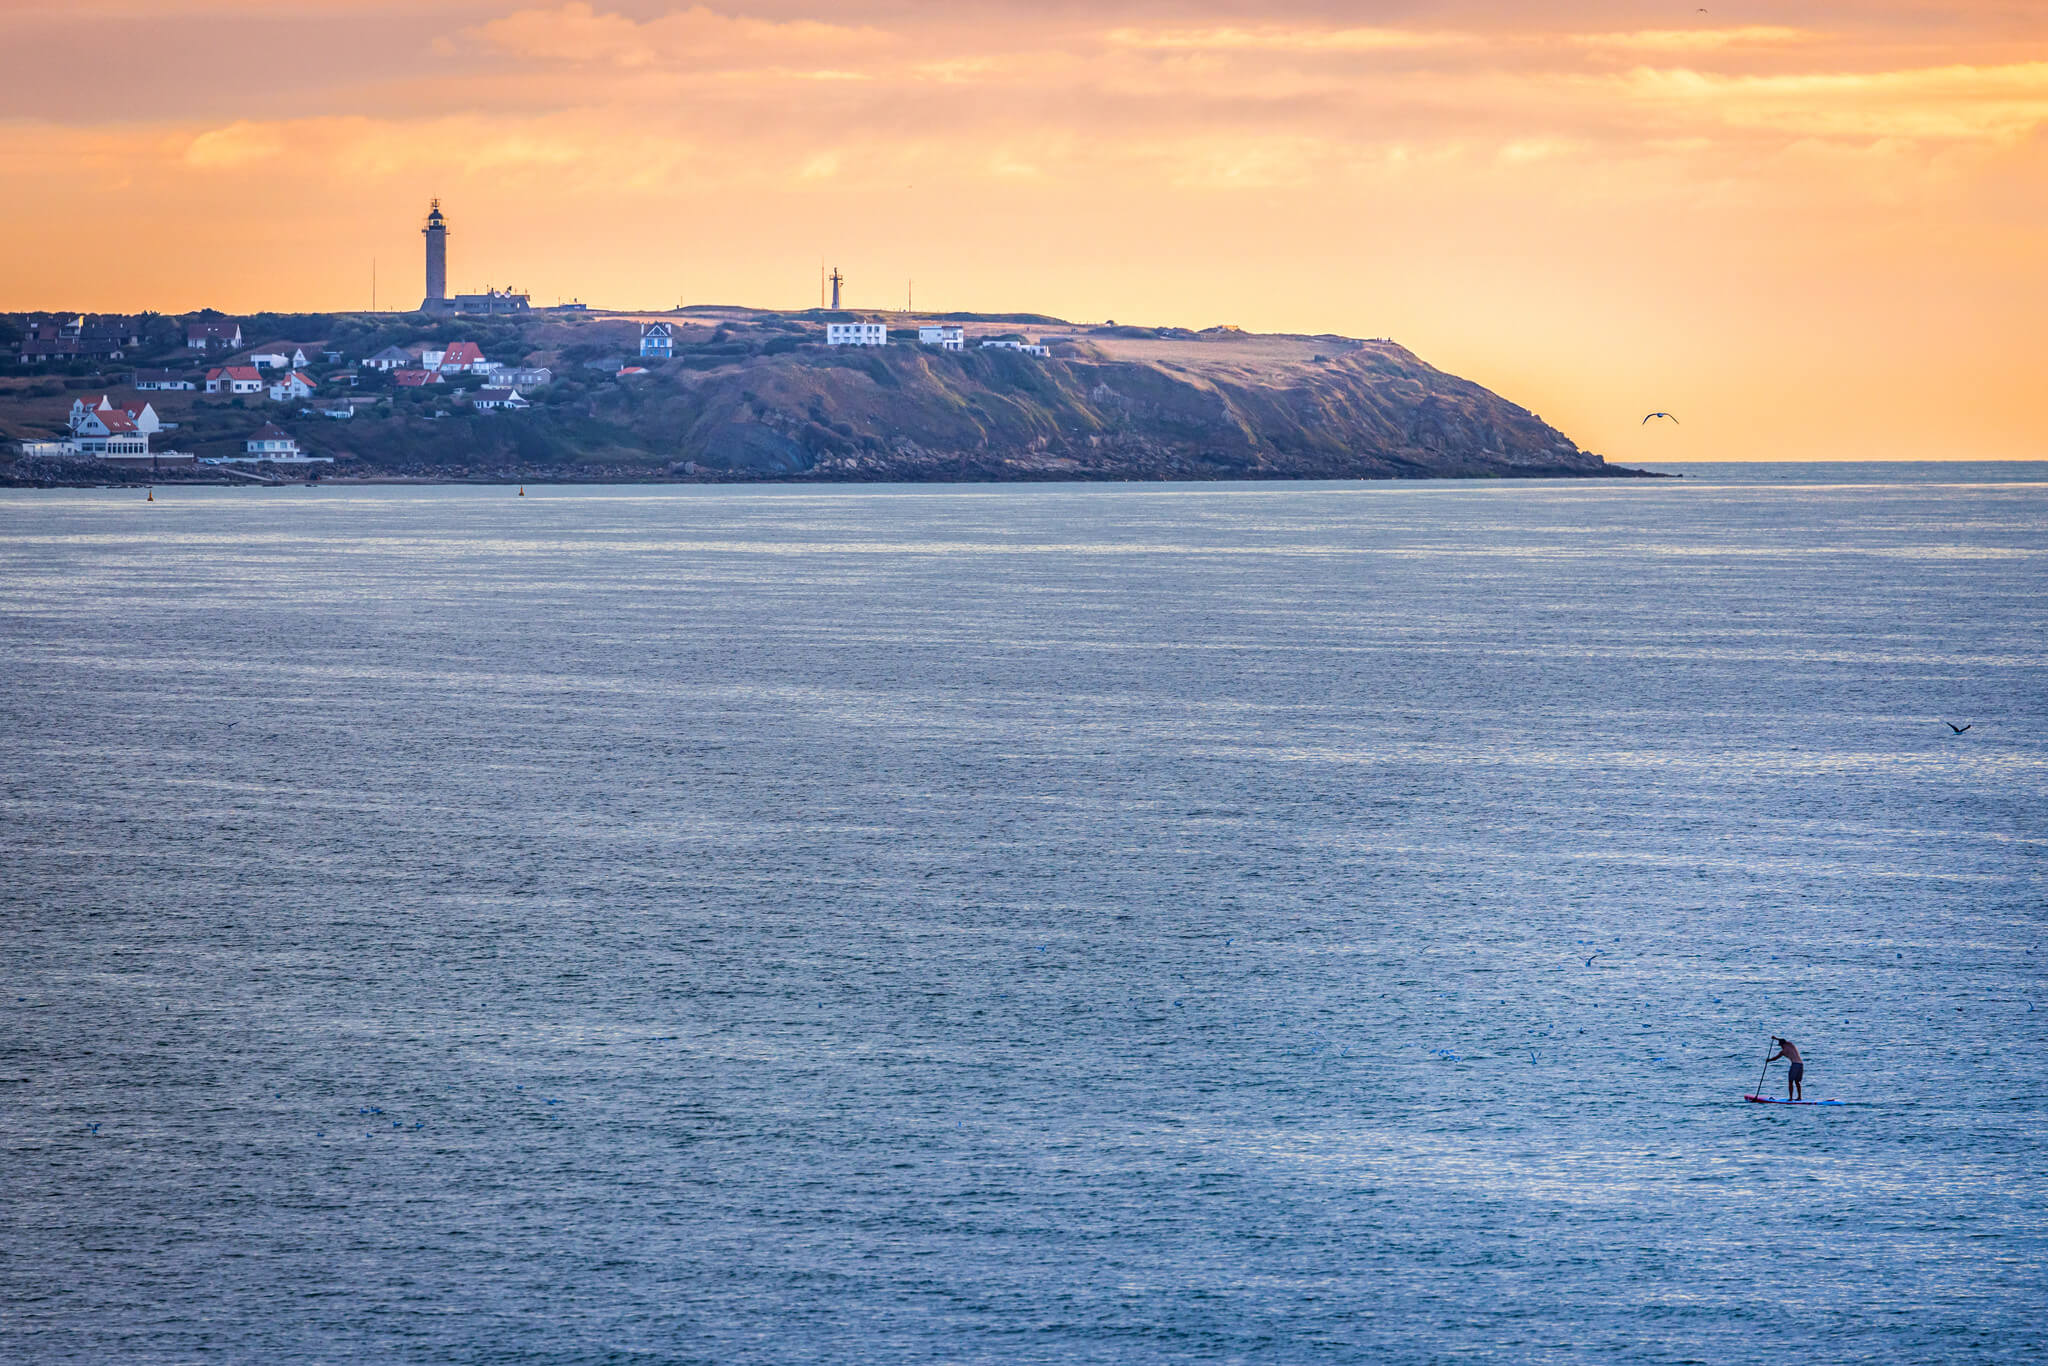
[{"x": 1203, "y": 407}]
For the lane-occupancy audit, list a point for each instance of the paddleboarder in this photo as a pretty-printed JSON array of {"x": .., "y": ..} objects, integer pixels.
[{"x": 1795, "y": 1069}]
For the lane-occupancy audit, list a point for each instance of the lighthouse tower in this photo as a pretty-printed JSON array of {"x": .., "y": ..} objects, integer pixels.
[{"x": 436, "y": 233}]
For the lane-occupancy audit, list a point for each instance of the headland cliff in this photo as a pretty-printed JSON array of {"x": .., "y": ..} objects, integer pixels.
[{"x": 749, "y": 395}]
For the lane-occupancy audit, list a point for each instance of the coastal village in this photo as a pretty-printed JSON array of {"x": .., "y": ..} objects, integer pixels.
[{"x": 228, "y": 395}]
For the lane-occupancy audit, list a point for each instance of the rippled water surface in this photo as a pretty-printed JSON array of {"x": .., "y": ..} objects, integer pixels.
[{"x": 1049, "y": 924}]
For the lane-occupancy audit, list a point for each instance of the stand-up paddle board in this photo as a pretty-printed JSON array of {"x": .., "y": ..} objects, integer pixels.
[{"x": 1774, "y": 1100}]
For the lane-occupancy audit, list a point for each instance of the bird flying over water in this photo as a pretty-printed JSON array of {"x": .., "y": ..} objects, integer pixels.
[
  {"x": 1664, "y": 415},
  {"x": 1956, "y": 728}
]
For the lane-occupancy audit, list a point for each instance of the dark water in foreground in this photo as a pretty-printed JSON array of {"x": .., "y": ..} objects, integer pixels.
[{"x": 1024, "y": 924}]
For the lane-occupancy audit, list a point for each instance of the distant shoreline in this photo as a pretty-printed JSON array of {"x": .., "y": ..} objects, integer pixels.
[{"x": 178, "y": 479}]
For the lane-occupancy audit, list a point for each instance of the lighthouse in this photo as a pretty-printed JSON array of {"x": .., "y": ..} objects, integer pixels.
[{"x": 436, "y": 233}]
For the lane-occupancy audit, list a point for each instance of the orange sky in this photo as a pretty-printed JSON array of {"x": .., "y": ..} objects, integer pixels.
[{"x": 1811, "y": 228}]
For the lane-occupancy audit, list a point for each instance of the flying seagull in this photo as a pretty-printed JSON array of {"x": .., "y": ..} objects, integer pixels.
[
  {"x": 1660, "y": 415},
  {"x": 1956, "y": 728}
]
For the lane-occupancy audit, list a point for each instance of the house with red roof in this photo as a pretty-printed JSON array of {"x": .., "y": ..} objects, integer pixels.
[
  {"x": 234, "y": 379},
  {"x": 461, "y": 356},
  {"x": 413, "y": 379},
  {"x": 144, "y": 419},
  {"x": 107, "y": 433},
  {"x": 295, "y": 385}
]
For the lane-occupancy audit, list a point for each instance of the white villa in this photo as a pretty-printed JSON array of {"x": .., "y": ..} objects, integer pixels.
[
  {"x": 1028, "y": 348},
  {"x": 107, "y": 433},
  {"x": 657, "y": 339},
  {"x": 856, "y": 334},
  {"x": 487, "y": 400},
  {"x": 145, "y": 422},
  {"x": 271, "y": 442},
  {"x": 945, "y": 338},
  {"x": 390, "y": 358}
]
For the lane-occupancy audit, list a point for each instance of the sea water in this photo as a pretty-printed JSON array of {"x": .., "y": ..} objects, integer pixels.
[{"x": 1269, "y": 923}]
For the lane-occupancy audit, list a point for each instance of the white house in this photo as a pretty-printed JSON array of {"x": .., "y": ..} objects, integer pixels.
[
  {"x": 523, "y": 377},
  {"x": 234, "y": 379},
  {"x": 271, "y": 441},
  {"x": 146, "y": 422},
  {"x": 221, "y": 336},
  {"x": 163, "y": 379},
  {"x": 1026, "y": 347},
  {"x": 657, "y": 339},
  {"x": 281, "y": 356},
  {"x": 269, "y": 444},
  {"x": 390, "y": 358},
  {"x": 489, "y": 399},
  {"x": 108, "y": 433},
  {"x": 295, "y": 385},
  {"x": 856, "y": 334},
  {"x": 945, "y": 338}
]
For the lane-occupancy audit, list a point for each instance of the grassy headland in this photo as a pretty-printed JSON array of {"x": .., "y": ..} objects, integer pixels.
[{"x": 753, "y": 394}]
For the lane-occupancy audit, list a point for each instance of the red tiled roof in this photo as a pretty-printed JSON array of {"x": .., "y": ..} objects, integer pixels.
[
  {"x": 463, "y": 353},
  {"x": 270, "y": 431}
]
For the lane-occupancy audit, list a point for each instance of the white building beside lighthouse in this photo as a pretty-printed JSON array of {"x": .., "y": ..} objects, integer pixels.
[{"x": 856, "y": 334}]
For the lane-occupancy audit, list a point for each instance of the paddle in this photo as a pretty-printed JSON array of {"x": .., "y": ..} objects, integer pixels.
[{"x": 1767, "y": 1067}]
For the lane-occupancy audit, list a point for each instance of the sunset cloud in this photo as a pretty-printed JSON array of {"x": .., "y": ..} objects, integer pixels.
[
  {"x": 1269, "y": 38},
  {"x": 1695, "y": 39},
  {"x": 1946, "y": 104},
  {"x": 696, "y": 38}
]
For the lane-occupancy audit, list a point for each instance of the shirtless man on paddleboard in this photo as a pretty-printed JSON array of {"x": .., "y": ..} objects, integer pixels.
[{"x": 1797, "y": 1070}]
